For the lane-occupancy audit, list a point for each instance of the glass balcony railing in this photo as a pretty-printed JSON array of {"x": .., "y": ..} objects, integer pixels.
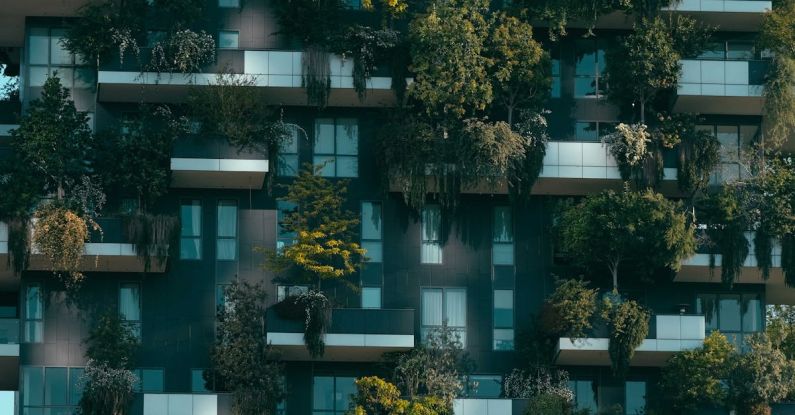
[
  {"x": 730, "y": 78},
  {"x": 352, "y": 321},
  {"x": 9, "y": 331}
]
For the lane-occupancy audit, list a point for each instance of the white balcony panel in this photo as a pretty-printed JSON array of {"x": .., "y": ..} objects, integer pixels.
[
  {"x": 482, "y": 407},
  {"x": 349, "y": 347},
  {"x": 728, "y": 6},
  {"x": 180, "y": 404},
  {"x": 9, "y": 350}
]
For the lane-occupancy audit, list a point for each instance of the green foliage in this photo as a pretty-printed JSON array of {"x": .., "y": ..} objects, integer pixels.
[
  {"x": 235, "y": 108},
  {"x": 629, "y": 146},
  {"x": 628, "y": 323},
  {"x": 241, "y": 357},
  {"x": 521, "y": 72},
  {"x": 758, "y": 377},
  {"x": 325, "y": 246},
  {"x": 53, "y": 140},
  {"x": 152, "y": 236},
  {"x": 435, "y": 368},
  {"x": 545, "y": 388},
  {"x": 780, "y": 328},
  {"x": 448, "y": 59},
  {"x": 312, "y": 22},
  {"x": 559, "y": 13},
  {"x": 375, "y": 396},
  {"x": 548, "y": 404},
  {"x": 612, "y": 229},
  {"x": 106, "y": 390},
  {"x": 184, "y": 51},
  {"x": 105, "y": 27},
  {"x": 136, "y": 161},
  {"x": 694, "y": 377},
  {"x": 533, "y": 128},
  {"x": 317, "y": 310},
  {"x": 779, "y": 105},
  {"x": 316, "y": 65},
  {"x": 367, "y": 45},
  {"x": 699, "y": 155},
  {"x": 111, "y": 342},
  {"x": 568, "y": 311},
  {"x": 491, "y": 150},
  {"x": 726, "y": 222}
]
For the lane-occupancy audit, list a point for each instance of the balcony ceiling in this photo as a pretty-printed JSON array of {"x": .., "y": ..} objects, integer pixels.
[{"x": 12, "y": 16}]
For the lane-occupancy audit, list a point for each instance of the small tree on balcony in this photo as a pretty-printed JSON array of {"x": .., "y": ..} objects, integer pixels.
[
  {"x": 242, "y": 361},
  {"x": 108, "y": 380},
  {"x": 613, "y": 230},
  {"x": 325, "y": 247},
  {"x": 759, "y": 377}
]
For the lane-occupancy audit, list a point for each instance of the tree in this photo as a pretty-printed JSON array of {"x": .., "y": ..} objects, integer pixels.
[
  {"x": 324, "y": 248},
  {"x": 612, "y": 230},
  {"x": 628, "y": 323},
  {"x": 758, "y": 377},
  {"x": 447, "y": 54},
  {"x": 106, "y": 26},
  {"x": 54, "y": 139},
  {"x": 780, "y": 328},
  {"x": 241, "y": 358},
  {"x": 521, "y": 72},
  {"x": 108, "y": 380},
  {"x": 694, "y": 378},
  {"x": 436, "y": 368},
  {"x": 779, "y": 106}
]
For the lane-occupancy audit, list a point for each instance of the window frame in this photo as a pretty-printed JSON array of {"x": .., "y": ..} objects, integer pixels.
[
  {"x": 334, "y": 410},
  {"x": 71, "y": 388},
  {"x": 424, "y": 329},
  {"x": 218, "y": 238},
  {"x": 437, "y": 243},
  {"x": 336, "y": 155},
  {"x": 136, "y": 326},
  {"x": 198, "y": 203},
  {"x": 598, "y": 47},
  {"x": 36, "y": 321},
  {"x": 228, "y": 32},
  {"x": 282, "y": 164}
]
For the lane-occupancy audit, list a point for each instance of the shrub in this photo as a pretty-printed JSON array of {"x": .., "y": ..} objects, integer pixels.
[{"x": 60, "y": 235}]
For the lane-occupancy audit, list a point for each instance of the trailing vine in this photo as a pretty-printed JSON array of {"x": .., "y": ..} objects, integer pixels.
[
  {"x": 699, "y": 155},
  {"x": 779, "y": 104},
  {"x": 628, "y": 323},
  {"x": 366, "y": 46},
  {"x": 152, "y": 235},
  {"x": 629, "y": 146},
  {"x": 315, "y": 61},
  {"x": 184, "y": 51},
  {"x": 724, "y": 217},
  {"x": 60, "y": 235},
  {"x": 314, "y": 309}
]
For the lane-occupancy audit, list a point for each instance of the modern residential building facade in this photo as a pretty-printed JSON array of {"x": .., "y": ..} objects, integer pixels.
[{"x": 484, "y": 270}]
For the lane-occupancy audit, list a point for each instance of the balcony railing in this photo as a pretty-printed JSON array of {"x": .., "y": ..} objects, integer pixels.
[
  {"x": 355, "y": 334},
  {"x": 198, "y": 162},
  {"x": 721, "y": 86},
  {"x": 668, "y": 334}
]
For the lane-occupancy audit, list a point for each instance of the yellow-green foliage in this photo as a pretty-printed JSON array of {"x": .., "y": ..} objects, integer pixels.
[
  {"x": 375, "y": 396},
  {"x": 60, "y": 235},
  {"x": 324, "y": 247}
]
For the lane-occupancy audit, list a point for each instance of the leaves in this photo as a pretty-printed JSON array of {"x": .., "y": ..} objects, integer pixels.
[
  {"x": 60, "y": 235},
  {"x": 628, "y": 324},
  {"x": 184, "y": 51}
]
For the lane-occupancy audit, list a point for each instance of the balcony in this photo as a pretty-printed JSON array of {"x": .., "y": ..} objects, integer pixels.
[
  {"x": 576, "y": 167},
  {"x": 201, "y": 163},
  {"x": 696, "y": 269},
  {"x": 721, "y": 86},
  {"x": 280, "y": 72},
  {"x": 9, "y": 354},
  {"x": 668, "y": 334},
  {"x": 180, "y": 404},
  {"x": 110, "y": 252},
  {"x": 354, "y": 335},
  {"x": 489, "y": 406},
  {"x": 728, "y": 15}
]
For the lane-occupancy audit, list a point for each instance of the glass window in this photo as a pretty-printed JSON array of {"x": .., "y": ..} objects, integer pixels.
[
  {"x": 502, "y": 237},
  {"x": 284, "y": 291},
  {"x": 740, "y": 50},
  {"x": 75, "y": 386},
  {"x": 47, "y": 55},
  {"x": 130, "y": 306},
  {"x": 34, "y": 314},
  {"x": 588, "y": 69},
  {"x": 752, "y": 313},
  {"x": 151, "y": 380},
  {"x": 431, "y": 252},
  {"x": 197, "y": 381},
  {"x": 371, "y": 231},
  {"x": 228, "y": 39},
  {"x": 707, "y": 305},
  {"x": 190, "y": 244},
  {"x": 586, "y": 131},
  {"x": 336, "y": 147},
  {"x": 371, "y": 297},
  {"x": 226, "y": 244},
  {"x": 32, "y": 386},
  {"x": 729, "y": 313},
  {"x": 440, "y": 305},
  {"x": 284, "y": 238},
  {"x": 729, "y": 138},
  {"x": 55, "y": 386},
  {"x": 229, "y": 3},
  {"x": 58, "y": 54},
  {"x": 38, "y": 46},
  {"x": 331, "y": 395},
  {"x": 484, "y": 386},
  {"x": 714, "y": 50},
  {"x": 287, "y": 162},
  {"x": 556, "y": 73},
  {"x": 635, "y": 398},
  {"x": 503, "y": 320},
  {"x": 584, "y": 394}
]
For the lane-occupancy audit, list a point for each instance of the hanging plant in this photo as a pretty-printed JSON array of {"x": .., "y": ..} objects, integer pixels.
[
  {"x": 152, "y": 235},
  {"x": 366, "y": 45},
  {"x": 105, "y": 27},
  {"x": 60, "y": 235},
  {"x": 726, "y": 224},
  {"x": 314, "y": 308},
  {"x": 487, "y": 151},
  {"x": 629, "y": 146},
  {"x": 628, "y": 323},
  {"x": 699, "y": 155},
  {"x": 18, "y": 243},
  {"x": 533, "y": 129},
  {"x": 315, "y": 61},
  {"x": 184, "y": 51}
]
